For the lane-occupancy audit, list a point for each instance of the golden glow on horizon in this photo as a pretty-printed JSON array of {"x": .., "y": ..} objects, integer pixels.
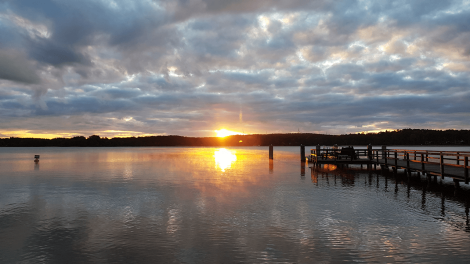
[
  {"x": 47, "y": 135},
  {"x": 224, "y": 132},
  {"x": 123, "y": 133},
  {"x": 224, "y": 158},
  {"x": 31, "y": 134}
]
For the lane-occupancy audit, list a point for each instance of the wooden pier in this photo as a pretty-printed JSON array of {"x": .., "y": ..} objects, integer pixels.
[{"x": 451, "y": 164}]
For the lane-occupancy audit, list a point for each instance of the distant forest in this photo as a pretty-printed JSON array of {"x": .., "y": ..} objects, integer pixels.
[{"x": 398, "y": 137}]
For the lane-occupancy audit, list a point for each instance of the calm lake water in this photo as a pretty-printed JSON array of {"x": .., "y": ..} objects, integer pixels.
[{"x": 219, "y": 205}]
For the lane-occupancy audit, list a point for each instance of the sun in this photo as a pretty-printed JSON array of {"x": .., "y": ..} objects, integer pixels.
[{"x": 224, "y": 132}]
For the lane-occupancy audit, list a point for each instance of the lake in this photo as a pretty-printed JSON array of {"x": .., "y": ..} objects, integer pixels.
[{"x": 220, "y": 205}]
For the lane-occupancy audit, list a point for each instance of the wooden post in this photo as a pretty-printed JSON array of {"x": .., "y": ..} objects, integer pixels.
[
  {"x": 302, "y": 153},
  {"x": 415, "y": 155},
  {"x": 317, "y": 151},
  {"x": 422, "y": 162},
  {"x": 456, "y": 183},
  {"x": 384, "y": 155},
  {"x": 369, "y": 151},
  {"x": 377, "y": 159},
  {"x": 396, "y": 159},
  {"x": 465, "y": 163},
  {"x": 271, "y": 151},
  {"x": 408, "y": 163},
  {"x": 442, "y": 165},
  {"x": 427, "y": 156},
  {"x": 36, "y": 158},
  {"x": 458, "y": 161}
]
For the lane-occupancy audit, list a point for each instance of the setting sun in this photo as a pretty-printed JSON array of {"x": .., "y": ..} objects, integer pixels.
[{"x": 224, "y": 132}]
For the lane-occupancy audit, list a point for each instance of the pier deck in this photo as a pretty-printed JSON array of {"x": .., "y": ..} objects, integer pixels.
[{"x": 431, "y": 163}]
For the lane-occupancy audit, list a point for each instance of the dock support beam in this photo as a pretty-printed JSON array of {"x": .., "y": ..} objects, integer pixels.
[
  {"x": 456, "y": 183},
  {"x": 271, "y": 152},
  {"x": 442, "y": 165},
  {"x": 302, "y": 153},
  {"x": 396, "y": 159},
  {"x": 318, "y": 151},
  {"x": 369, "y": 156},
  {"x": 408, "y": 170},
  {"x": 422, "y": 162},
  {"x": 465, "y": 163}
]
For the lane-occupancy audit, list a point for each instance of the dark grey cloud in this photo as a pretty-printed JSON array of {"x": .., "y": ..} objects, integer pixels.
[
  {"x": 15, "y": 66},
  {"x": 115, "y": 93},
  {"x": 85, "y": 104},
  {"x": 46, "y": 51}
]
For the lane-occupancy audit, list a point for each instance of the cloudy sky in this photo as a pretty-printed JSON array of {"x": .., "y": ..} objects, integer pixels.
[{"x": 189, "y": 67}]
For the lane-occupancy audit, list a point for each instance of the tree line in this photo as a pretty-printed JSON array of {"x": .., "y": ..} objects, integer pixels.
[{"x": 397, "y": 137}]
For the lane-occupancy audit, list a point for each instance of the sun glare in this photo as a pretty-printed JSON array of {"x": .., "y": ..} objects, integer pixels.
[
  {"x": 224, "y": 158},
  {"x": 224, "y": 132}
]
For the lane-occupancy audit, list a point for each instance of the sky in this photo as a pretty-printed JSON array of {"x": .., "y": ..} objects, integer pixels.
[{"x": 189, "y": 67}]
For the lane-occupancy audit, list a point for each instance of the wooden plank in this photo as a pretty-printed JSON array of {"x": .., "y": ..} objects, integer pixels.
[
  {"x": 435, "y": 152},
  {"x": 435, "y": 168}
]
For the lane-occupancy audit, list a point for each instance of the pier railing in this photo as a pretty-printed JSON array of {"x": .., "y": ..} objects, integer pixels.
[
  {"x": 338, "y": 154},
  {"x": 432, "y": 162},
  {"x": 429, "y": 159}
]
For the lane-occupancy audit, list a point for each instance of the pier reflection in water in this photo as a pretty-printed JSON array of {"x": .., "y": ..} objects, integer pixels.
[{"x": 214, "y": 205}]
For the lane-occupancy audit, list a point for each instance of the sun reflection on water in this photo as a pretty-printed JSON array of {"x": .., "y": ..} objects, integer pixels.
[
  {"x": 224, "y": 158},
  {"x": 329, "y": 167}
]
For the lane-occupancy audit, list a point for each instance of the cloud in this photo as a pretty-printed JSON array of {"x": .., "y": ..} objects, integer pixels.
[
  {"x": 191, "y": 66},
  {"x": 16, "y": 67}
]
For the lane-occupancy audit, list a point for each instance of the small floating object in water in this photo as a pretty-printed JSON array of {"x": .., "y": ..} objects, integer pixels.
[{"x": 36, "y": 158}]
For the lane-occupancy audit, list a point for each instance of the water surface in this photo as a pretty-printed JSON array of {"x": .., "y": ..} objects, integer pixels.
[{"x": 218, "y": 205}]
